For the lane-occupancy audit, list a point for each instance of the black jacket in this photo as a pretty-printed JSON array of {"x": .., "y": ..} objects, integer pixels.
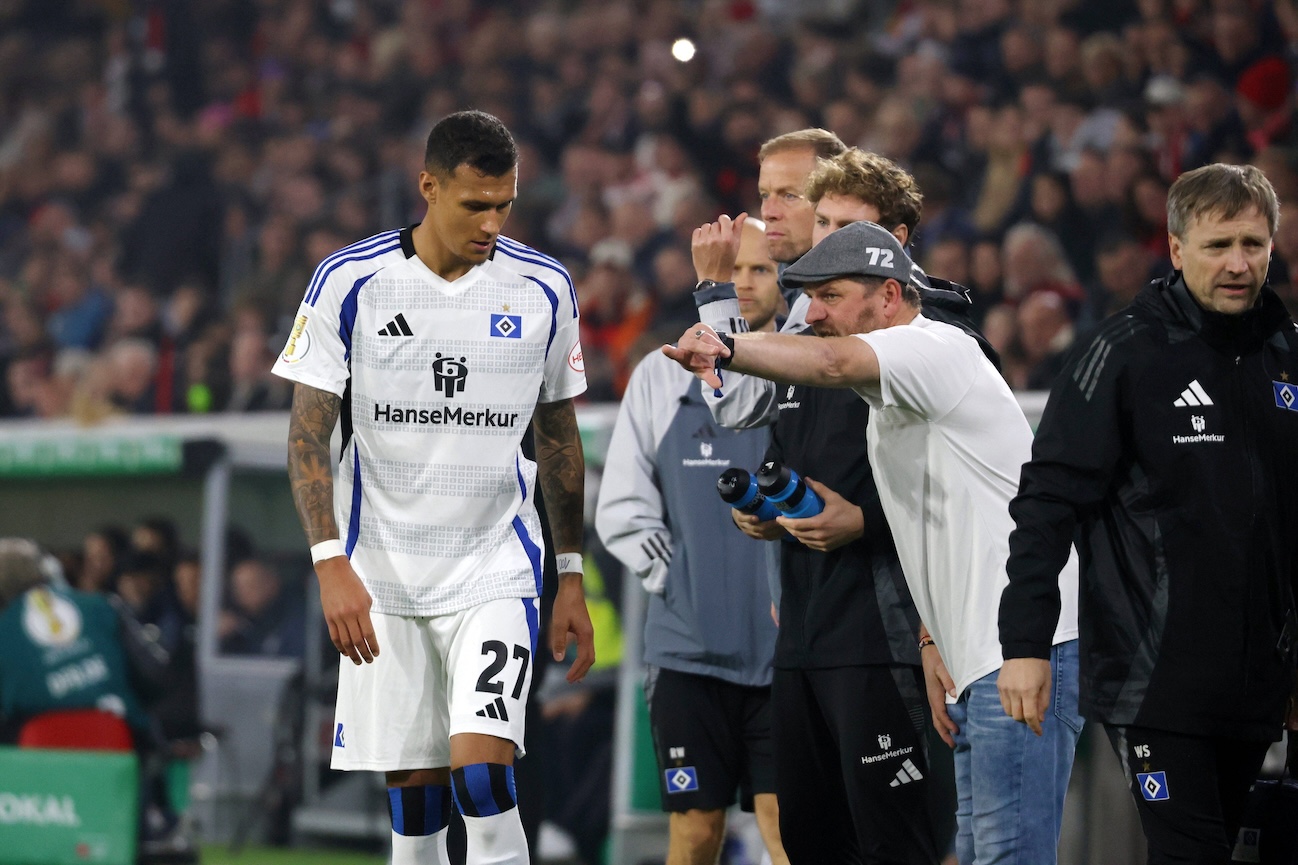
[
  {"x": 1169, "y": 446},
  {"x": 848, "y": 606}
]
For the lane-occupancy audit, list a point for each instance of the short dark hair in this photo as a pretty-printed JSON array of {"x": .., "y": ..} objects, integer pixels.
[
  {"x": 472, "y": 138},
  {"x": 909, "y": 293},
  {"x": 1220, "y": 190}
]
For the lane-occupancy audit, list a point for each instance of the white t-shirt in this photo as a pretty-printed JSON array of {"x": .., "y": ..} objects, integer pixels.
[
  {"x": 434, "y": 499},
  {"x": 947, "y": 443}
]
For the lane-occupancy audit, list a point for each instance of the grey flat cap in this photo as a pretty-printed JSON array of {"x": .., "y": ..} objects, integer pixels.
[{"x": 859, "y": 249}]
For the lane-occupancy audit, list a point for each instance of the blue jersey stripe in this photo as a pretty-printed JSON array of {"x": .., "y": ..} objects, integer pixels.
[
  {"x": 380, "y": 246},
  {"x": 531, "y": 256},
  {"x": 356, "y": 248},
  {"x": 529, "y": 546},
  {"x": 347, "y": 314},
  {"x": 354, "y": 523},
  {"x": 524, "y": 249},
  {"x": 554, "y": 311},
  {"x": 533, "y": 619}
]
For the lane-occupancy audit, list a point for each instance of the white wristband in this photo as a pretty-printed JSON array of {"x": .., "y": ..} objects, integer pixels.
[
  {"x": 569, "y": 563},
  {"x": 327, "y": 550}
]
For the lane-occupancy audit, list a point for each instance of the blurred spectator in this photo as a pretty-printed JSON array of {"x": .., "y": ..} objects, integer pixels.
[
  {"x": 1123, "y": 267},
  {"x": 132, "y": 367},
  {"x": 261, "y": 617},
  {"x": 674, "y": 281},
  {"x": 102, "y": 553},
  {"x": 986, "y": 276},
  {"x": 252, "y": 387},
  {"x": 615, "y": 310},
  {"x": 1035, "y": 261},
  {"x": 1045, "y": 334},
  {"x": 1215, "y": 131},
  {"x": 156, "y": 179},
  {"x": 145, "y": 586},
  {"x": 1264, "y": 100},
  {"x": 1052, "y": 207},
  {"x": 177, "y": 708}
]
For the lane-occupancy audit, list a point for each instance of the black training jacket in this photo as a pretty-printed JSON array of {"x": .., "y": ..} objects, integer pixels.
[
  {"x": 1170, "y": 445},
  {"x": 848, "y": 606}
]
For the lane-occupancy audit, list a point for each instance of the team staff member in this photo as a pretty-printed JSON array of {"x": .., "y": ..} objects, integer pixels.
[
  {"x": 847, "y": 665},
  {"x": 1171, "y": 444},
  {"x": 946, "y": 443},
  {"x": 708, "y": 634},
  {"x": 792, "y": 217},
  {"x": 439, "y": 344}
]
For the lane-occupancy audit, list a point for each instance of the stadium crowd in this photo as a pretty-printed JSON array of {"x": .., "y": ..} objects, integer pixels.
[{"x": 171, "y": 172}]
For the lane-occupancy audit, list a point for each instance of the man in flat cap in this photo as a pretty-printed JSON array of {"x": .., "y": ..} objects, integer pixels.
[{"x": 947, "y": 441}]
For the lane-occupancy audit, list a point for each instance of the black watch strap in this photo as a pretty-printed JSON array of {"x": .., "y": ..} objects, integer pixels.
[{"x": 723, "y": 362}]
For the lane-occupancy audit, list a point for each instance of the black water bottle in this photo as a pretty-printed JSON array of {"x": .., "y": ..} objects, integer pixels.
[
  {"x": 786, "y": 489},
  {"x": 738, "y": 488}
]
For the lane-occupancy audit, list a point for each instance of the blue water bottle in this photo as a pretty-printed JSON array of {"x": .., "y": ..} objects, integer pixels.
[
  {"x": 738, "y": 488},
  {"x": 788, "y": 491}
]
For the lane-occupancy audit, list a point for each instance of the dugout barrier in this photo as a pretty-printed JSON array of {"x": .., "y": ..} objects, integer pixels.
[{"x": 59, "y": 482}]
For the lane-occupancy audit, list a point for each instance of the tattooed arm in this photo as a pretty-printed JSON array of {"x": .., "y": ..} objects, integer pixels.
[
  {"x": 343, "y": 597},
  {"x": 561, "y": 470}
]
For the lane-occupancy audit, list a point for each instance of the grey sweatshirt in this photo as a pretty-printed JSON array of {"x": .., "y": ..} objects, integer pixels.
[{"x": 659, "y": 513}]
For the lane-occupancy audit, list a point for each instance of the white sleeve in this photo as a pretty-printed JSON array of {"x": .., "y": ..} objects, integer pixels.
[
  {"x": 319, "y": 347},
  {"x": 919, "y": 370},
  {"x": 565, "y": 371},
  {"x": 630, "y": 515},
  {"x": 746, "y": 401}
]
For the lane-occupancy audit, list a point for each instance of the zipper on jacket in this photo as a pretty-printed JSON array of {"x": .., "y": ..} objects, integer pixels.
[{"x": 1254, "y": 470}]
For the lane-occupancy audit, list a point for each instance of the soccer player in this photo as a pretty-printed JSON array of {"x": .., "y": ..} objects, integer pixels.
[
  {"x": 438, "y": 344},
  {"x": 708, "y": 635}
]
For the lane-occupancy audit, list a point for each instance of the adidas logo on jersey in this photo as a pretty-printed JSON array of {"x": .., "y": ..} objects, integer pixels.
[
  {"x": 906, "y": 774},
  {"x": 494, "y": 710},
  {"x": 397, "y": 327},
  {"x": 1194, "y": 394}
]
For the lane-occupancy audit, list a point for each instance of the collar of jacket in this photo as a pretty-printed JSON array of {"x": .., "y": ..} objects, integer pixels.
[{"x": 1170, "y": 300}]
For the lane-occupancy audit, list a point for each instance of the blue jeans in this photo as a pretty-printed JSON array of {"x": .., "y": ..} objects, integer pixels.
[{"x": 1010, "y": 783}]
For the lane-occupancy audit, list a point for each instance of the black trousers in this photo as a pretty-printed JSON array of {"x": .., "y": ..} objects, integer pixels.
[
  {"x": 851, "y": 768},
  {"x": 1189, "y": 790}
]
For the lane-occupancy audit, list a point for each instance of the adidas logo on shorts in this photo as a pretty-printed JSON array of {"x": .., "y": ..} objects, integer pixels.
[
  {"x": 907, "y": 773},
  {"x": 494, "y": 710}
]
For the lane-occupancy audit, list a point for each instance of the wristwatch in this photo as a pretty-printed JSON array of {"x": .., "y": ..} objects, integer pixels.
[{"x": 705, "y": 284}]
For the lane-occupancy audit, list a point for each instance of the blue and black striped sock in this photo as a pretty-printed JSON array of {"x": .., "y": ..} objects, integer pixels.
[
  {"x": 422, "y": 810},
  {"x": 483, "y": 789}
]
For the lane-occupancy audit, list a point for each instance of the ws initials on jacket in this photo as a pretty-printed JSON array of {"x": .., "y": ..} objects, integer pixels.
[{"x": 1171, "y": 441}]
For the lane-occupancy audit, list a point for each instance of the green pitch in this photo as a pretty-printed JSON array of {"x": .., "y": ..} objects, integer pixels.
[{"x": 221, "y": 855}]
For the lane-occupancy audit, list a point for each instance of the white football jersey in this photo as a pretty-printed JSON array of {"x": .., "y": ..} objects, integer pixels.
[{"x": 433, "y": 496}]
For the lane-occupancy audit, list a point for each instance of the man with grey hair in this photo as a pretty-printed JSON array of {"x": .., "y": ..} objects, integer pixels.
[
  {"x": 1169, "y": 446},
  {"x": 946, "y": 442}
]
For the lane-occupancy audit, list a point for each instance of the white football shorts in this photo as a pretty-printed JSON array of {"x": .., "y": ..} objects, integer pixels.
[{"x": 436, "y": 677}]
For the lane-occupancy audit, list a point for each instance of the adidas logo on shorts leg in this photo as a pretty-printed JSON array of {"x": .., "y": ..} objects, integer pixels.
[
  {"x": 906, "y": 774},
  {"x": 494, "y": 710}
]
